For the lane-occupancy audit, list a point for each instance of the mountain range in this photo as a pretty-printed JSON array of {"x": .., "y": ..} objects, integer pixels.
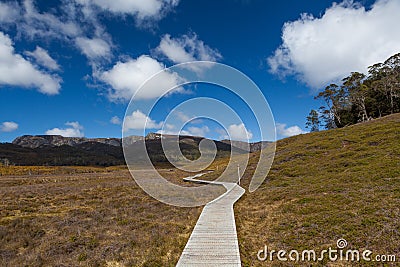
[{"x": 56, "y": 150}]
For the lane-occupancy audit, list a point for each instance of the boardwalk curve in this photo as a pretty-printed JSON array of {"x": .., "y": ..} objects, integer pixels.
[{"x": 213, "y": 241}]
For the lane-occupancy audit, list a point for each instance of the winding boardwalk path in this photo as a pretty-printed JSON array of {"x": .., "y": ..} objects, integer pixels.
[{"x": 213, "y": 241}]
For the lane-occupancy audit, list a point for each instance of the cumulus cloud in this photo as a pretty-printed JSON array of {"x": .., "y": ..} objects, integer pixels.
[
  {"x": 74, "y": 129},
  {"x": 43, "y": 58},
  {"x": 139, "y": 121},
  {"x": 17, "y": 71},
  {"x": 93, "y": 49},
  {"x": 79, "y": 22},
  {"x": 8, "y": 126},
  {"x": 186, "y": 48},
  {"x": 69, "y": 21},
  {"x": 125, "y": 78},
  {"x": 115, "y": 120},
  {"x": 237, "y": 132},
  {"x": 285, "y": 131},
  {"x": 142, "y": 10},
  {"x": 346, "y": 38}
]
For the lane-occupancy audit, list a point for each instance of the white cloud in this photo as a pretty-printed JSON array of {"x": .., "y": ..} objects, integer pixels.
[
  {"x": 74, "y": 130},
  {"x": 115, "y": 120},
  {"x": 73, "y": 25},
  {"x": 35, "y": 23},
  {"x": 69, "y": 21},
  {"x": 169, "y": 126},
  {"x": 186, "y": 48},
  {"x": 288, "y": 131},
  {"x": 8, "y": 126},
  {"x": 17, "y": 71},
  {"x": 94, "y": 48},
  {"x": 346, "y": 38},
  {"x": 198, "y": 131},
  {"x": 237, "y": 132},
  {"x": 139, "y": 121},
  {"x": 182, "y": 116},
  {"x": 196, "y": 121},
  {"x": 8, "y": 12},
  {"x": 125, "y": 78},
  {"x": 43, "y": 58},
  {"x": 186, "y": 118},
  {"x": 142, "y": 10},
  {"x": 78, "y": 23}
]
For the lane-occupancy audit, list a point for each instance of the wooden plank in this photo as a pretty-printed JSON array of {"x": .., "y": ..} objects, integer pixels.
[{"x": 213, "y": 241}]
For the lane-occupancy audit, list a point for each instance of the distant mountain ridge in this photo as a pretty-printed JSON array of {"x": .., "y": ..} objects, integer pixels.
[
  {"x": 35, "y": 141},
  {"x": 59, "y": 150},
  {"x": 249, "y": 147}
]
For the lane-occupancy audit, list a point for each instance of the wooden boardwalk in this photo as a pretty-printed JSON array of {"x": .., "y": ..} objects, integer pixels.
[{"x": 213, "y": 241}]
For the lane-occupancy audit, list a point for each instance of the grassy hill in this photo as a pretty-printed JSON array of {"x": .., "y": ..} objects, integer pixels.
[{"x": 342, "y": 183}]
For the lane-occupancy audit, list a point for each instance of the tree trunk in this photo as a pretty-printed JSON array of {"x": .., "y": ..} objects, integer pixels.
[{"x": 391, "y": 101}]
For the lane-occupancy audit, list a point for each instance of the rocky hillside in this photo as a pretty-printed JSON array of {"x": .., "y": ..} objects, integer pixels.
[
  {"x": 35, "y": 141},
  {"x": 56, "y": 150},
  {"x": 250, "y": 147}
]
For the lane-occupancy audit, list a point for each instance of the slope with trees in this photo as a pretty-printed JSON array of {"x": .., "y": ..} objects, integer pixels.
[{"x": 361, "y": 97}]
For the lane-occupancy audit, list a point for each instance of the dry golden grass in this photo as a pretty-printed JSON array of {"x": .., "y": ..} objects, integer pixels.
[
  {"x": 89, "y": 219},
  {"x": 45, "y": 170}
]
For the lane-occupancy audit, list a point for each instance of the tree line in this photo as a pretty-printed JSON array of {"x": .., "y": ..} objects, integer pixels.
[{"x": 360, "y": 97}]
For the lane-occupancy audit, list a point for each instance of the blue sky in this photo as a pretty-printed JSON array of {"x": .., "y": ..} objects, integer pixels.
[{"x": 70, "y": 67}]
